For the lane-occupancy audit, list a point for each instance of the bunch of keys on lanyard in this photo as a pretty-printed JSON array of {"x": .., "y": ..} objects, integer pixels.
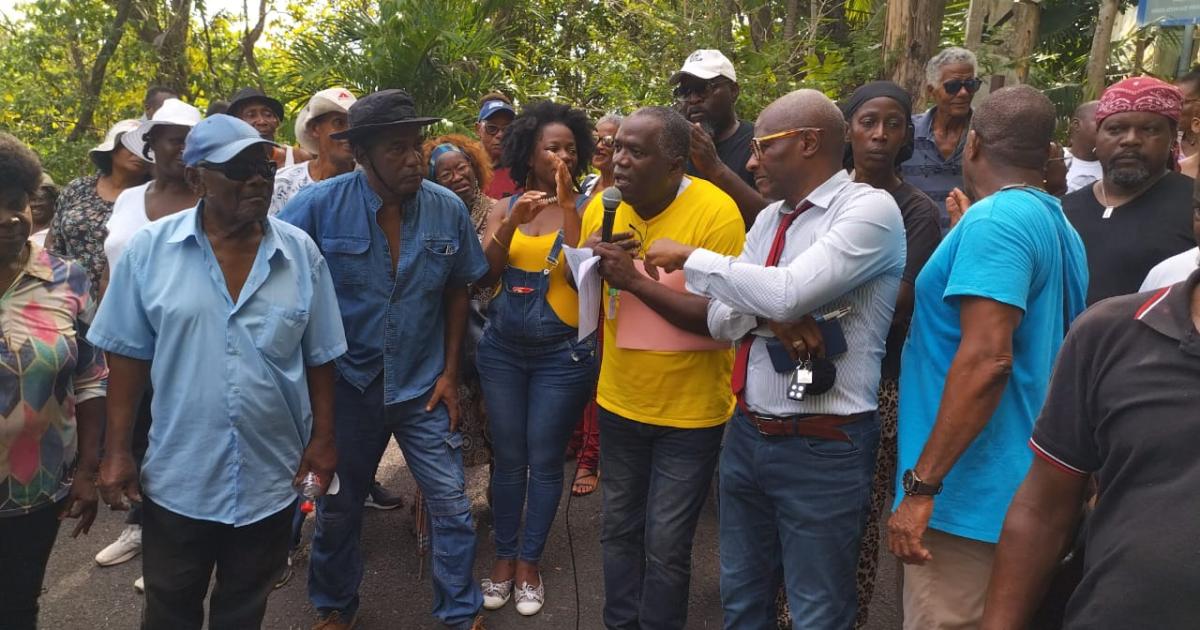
[{"x": 802, "y": 376}]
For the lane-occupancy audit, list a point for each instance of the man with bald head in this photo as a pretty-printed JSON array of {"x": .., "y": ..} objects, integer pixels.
[
  {"x": 1084, "y": 167},
  {"x": 797, "y": 466},
  {"x": 992, "y": 306}
]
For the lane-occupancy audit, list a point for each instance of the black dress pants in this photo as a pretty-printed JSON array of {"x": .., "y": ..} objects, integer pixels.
[
  {"x": 25, "y": 544},
  {"x": 178, "y": 558}
]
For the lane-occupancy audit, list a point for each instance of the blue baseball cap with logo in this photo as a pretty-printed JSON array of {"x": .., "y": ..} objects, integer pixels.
[
  {"x": 492, "y": 107},
  {"x": 220, "y": 138}
]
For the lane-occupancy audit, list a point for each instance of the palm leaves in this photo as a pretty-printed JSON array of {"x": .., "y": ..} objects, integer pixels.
[{"x": 446, "y": 53}]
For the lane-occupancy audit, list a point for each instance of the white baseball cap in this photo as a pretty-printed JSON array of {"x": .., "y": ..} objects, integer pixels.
[
  {"x": 172, "y": 112},
  {"x": 114, "y": 134},
  {"x": 706, "y": 64},
  {"x": 334, "y": 99}
]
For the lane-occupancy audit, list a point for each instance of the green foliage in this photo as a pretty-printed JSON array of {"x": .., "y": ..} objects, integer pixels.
[
  {"x": 601, "y": 55},
  {"x": 445, "y": 53}
]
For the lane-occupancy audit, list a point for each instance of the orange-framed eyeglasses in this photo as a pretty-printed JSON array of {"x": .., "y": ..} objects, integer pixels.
[{"x": 756, "y": 144}]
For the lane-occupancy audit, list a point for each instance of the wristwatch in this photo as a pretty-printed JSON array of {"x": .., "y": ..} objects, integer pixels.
[{"x": 914, "y": 487}]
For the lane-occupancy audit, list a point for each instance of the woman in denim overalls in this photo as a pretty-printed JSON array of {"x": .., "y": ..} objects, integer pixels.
[{"x": 536, "y": 375}]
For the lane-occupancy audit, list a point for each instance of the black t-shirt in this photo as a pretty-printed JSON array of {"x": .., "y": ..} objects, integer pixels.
[
  {"x": 1123, "y": 405},
  {"x": 922, "y": 234},
  {"x": 734, "y": 152},
  {"x": 1123, "y": 248}
]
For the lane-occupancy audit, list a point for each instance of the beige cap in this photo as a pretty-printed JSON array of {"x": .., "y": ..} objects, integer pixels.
[{"x": 334, "y": 99}]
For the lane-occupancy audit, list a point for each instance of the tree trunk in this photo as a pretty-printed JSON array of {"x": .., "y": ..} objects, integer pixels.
[
  {"x": 790, "y": 19},
  {"x": 251, "y": 38},
  {"x": 1101, "y": 46},
  {"x": 760, "y": 25},
  {"x": 723, "y": 25},
  {"x": 910, "y": 38},
  {"x": 981, "y": 15},
  {"x": 1027, "y": 19},
  {"x": 95, "y": 83}
]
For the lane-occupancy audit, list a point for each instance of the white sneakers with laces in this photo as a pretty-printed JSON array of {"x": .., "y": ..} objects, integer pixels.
[
  {"x": 495, "y": 594},
  {"x": 531, "y": 598},
  {"x": 127, "y": 546}
]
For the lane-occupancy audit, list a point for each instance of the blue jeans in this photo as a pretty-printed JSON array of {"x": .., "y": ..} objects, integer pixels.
[
  {"x": 796, "y": 506},
  {"x": 534, "y": 395},
  {"x": 655, "y": 482},
  {"x": 434, "y": 456}
]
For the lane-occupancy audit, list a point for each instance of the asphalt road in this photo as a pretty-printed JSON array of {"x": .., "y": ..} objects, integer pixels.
[{"x": 78, "y": 594}]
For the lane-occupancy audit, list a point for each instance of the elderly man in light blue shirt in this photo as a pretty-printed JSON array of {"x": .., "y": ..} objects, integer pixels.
[
  {"x": 796, "y": 470},
  {"x": 233, "y": 318}
]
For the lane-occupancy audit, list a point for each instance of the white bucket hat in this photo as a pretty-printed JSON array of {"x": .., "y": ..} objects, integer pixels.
[
  {"x": 114, "y": 134},
  {"x": 334, "y": 99},
  {"x": 172, "y": 112}
]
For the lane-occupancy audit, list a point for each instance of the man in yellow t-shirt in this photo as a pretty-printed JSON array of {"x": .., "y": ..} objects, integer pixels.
[{"x": 664, "y": 392}]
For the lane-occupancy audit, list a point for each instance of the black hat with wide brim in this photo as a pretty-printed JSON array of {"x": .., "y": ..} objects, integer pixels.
[
  {"x": 382, "y": 110},
  {"x": 246, "y": 96}
]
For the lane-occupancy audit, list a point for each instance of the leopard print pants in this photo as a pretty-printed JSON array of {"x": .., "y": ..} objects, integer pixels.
[{"x": 881, "y": 488}]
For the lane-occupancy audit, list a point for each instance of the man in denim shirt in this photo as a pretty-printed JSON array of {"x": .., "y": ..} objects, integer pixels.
[
  {"x": 402, "y": 251},
  {"x": 940, "y": 133}
]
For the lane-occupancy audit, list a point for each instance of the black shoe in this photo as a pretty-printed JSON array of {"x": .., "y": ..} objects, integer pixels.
[{"x": 381, "y": 499}]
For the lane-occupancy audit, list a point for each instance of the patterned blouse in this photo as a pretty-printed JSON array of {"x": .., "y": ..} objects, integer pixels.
[
  {"x": 47, "y": 367},
  {"x": 79, "y": 228}
]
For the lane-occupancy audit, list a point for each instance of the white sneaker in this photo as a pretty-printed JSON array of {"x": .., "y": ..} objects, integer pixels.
[
  {"x": 127, "y": 546},
  {"x": 531, "y": 598},
  {"x": 495, "y": 594},
  {"x": 139, "y": 585}
]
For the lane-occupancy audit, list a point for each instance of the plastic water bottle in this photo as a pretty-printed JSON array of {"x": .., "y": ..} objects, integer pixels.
[{"x": 310, "y": 488}]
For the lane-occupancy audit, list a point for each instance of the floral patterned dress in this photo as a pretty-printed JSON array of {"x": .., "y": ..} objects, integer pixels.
[{"x": 80, "y": 227}]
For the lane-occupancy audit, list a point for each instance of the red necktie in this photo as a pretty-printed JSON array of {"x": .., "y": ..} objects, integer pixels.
[{"x": 741, "y": 361}]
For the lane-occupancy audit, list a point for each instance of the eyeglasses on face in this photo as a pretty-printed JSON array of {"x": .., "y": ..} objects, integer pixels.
[
  {"x": 702, "y": 90},
  {"x": 242, "y": 170},
  {"x": 605, "y": 141},
  {"x": 954, "y": 86},
  {"x": 758, "y": 145},
  {"x": 492, "y": 129}
]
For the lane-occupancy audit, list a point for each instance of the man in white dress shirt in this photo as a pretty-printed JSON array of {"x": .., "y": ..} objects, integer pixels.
[{"x": 796, "y": 473}]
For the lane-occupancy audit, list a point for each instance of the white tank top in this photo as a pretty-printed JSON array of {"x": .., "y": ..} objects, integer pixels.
[{"x": 128, "y": 216}]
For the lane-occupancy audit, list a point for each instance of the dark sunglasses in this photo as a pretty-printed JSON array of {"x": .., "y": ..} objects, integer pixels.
[
  {"x": 606, "y": 141},
  {"x": 682, "y": 92},
  {"x": 241, "y": 171},
  {"x": 954, "y": 86}
]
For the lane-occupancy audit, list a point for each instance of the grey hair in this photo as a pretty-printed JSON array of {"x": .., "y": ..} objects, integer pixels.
[
  {"x": 949, "y": 57},
  {"x": 613, "y": 118}
]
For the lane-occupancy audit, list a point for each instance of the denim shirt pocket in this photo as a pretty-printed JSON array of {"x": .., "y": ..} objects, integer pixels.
[
  {"x": 282, "y": 332},
  {"x": 436, "y": 260},
  {"x": 347, "y": 259}
]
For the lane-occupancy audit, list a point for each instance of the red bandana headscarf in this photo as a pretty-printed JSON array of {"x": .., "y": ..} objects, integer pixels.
[{"x": 1140, "y": 94}]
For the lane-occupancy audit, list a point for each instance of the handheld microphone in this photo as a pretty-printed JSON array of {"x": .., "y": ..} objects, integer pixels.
[{"x": 611, "y": 199}]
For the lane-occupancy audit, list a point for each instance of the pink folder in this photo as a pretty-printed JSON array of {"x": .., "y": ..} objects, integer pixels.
[{"x": 640, "y": 327}]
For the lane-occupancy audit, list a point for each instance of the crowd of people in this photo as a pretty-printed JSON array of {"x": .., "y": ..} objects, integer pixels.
[{"x": 940, "y": 332}]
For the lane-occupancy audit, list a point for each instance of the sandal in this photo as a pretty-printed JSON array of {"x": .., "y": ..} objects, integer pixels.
[{"x": 586, "y": 482}]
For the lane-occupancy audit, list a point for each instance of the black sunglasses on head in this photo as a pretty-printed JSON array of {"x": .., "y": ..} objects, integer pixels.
[
  {"x": 243, "y": 170},
  {"x": 954, "y": 86}
]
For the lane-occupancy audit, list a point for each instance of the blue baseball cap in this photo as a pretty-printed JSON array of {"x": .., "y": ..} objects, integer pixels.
[
  {"x": 491, "y": 107},
  {"x": 220, "y": 138}
]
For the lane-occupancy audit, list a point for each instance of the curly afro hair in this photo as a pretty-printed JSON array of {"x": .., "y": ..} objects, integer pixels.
[
  {"x": 522, "y": 135},
  {"x": 480, "y": 163},
  {"x": 20, "y": 172}
]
